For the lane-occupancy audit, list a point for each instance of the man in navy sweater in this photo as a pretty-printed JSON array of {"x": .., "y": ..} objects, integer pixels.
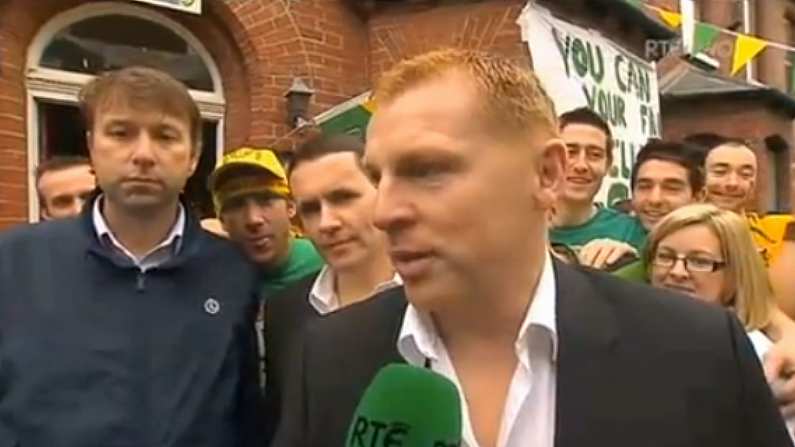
[{"x": 129, "y": 325}]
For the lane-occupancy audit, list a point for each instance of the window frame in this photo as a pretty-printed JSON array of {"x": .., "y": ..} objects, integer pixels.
[{"x": 59, "y": 86}]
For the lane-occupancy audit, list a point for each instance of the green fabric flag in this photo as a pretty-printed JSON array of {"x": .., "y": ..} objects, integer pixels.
[
  {"x": 635, "y": 3},
  {"x": 704, "y": 36}
]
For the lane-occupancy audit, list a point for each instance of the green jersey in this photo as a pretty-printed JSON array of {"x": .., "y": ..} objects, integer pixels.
[
  {"x": 635, "y": 272},
  {"x": 607, "y": 223},
  {"x": 302, "y": 261}
]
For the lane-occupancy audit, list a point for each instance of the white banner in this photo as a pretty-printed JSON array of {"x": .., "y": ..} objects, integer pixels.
[
  {"x": 192, "y": 6},
  {"x": 580, "y": 67}
]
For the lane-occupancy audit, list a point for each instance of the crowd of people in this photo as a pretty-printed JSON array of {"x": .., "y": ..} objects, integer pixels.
[{"x": 462, "y": 237}]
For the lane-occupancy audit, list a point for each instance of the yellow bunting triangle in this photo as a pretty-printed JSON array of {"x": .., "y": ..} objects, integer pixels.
[
  {"x": 369, "y": 105},
  {"x": 745, "y": 48},
  {"x": 672, "y": 19}
]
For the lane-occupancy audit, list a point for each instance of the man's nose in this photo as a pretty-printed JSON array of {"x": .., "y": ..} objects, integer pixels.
[
  {"x": 329, "y": 221},
  {"x": 143, "y": 149},
  {"x": 578, "y": 163},
  {"x": 391, "y": 210},
  {"x": 655, "y": 196},
  {"x": 252, "y": 214}
]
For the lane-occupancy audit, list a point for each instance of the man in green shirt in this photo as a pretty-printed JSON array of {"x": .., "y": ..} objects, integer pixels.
[
  {"x": 578, "y": 221},
  {"x": 252, "y": 200},
  {"x": 666, "y": 176}
]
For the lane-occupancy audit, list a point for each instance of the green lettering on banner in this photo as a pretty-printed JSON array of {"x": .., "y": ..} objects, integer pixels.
[
  {"x": 610, "y": 106},
  {"x": 587, "y": 59},
  {"x": 617, "y": 193},
  {"x": 623, "y": 159},
  {"x": 632, "y": 78},
  {"x": 626, "y": 168},
  {"x": 564, "y": 48},
  {"x": 620, "y": 79},
  {"x": 649, "y": 121},
  {"x": 579, "y": 57}
]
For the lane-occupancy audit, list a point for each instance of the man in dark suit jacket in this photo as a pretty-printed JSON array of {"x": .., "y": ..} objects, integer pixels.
[
  {"x": 334, "y": 200},
  {"x": 636, "y": 367},
  {"x": 464, "y": 152}
]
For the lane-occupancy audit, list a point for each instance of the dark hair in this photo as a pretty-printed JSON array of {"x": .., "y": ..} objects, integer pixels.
[
  {"x": 58, "y": 163},
  {"x": 584, "y": 115},
  {"x": 675, "y": 152},
  {"x": 142, "y": 86},
  {"x": 705, "y": 140},
  {"x": 323, "y": 144}
]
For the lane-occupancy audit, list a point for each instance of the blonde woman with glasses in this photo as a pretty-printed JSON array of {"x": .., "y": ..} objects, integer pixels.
[{"x": 708, "y": 253}]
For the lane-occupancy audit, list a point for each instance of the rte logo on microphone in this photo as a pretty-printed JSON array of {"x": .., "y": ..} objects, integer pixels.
[{"x": 372, "y": 433}]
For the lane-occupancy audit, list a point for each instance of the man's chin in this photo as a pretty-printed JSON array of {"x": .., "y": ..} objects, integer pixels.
[
  {"x": 144, "y": 203},
  {"x": 728, "y": 204},
  {"x": 580, "y": 197},
  {"x": 429, "y": 294},
  {"x": 264, "y": 259}
]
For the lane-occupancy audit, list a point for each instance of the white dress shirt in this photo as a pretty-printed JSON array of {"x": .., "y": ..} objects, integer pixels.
[
  {"x": 323, "y": 296},
  {"x": 157, "y": 255},
  {"x": 528, "y": 419}
]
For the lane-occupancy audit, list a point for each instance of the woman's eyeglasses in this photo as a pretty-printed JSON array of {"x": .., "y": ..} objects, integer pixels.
[{"x": 693, "y": 263}]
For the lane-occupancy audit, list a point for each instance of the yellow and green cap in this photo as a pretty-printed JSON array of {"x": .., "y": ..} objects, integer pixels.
[{"x": 228, "y": 181}]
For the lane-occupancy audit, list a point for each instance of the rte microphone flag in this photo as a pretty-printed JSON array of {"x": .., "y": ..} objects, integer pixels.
[{"x": 406, "y": 406}]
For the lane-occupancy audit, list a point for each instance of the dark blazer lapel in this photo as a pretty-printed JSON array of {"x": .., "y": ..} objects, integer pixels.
[{"x": 587, "y": 333}]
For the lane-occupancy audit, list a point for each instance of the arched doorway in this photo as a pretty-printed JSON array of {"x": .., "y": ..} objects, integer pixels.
[{"x": 80, "y": 43}]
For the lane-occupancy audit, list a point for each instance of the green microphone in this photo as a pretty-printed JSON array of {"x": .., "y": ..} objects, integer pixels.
[{"x": 406, "y": 406}]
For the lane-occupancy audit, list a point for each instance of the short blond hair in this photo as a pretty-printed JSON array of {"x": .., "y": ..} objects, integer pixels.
[
  {"x": 512, "y": 96},
  {"x": 753, "y": 293}
]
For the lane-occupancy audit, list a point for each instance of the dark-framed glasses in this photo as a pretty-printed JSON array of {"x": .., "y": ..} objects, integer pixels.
[{"x": 693, "y": 263}]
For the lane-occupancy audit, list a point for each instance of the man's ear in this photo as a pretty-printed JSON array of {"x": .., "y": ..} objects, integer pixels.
[
  {"x": 224, "y": 225},
  {"x": 551, "y": 169},
  {"x": 291, "y": 208}
]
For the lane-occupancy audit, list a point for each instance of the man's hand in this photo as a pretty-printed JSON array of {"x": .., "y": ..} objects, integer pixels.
[
  {"x": 600, "y": 253},
  {"x": 779, "y": 364}
]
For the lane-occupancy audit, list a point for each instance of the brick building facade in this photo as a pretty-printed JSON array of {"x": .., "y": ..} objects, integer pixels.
[{"x": 255, "y": 49}]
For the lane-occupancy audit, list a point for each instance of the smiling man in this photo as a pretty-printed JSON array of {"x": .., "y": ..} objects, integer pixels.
[
  {"x": 731, "y": 170},
  {"x": 731, "y": 176},
  {"x": 578, "y": 221},
  {"x": 667, "y": 175}
]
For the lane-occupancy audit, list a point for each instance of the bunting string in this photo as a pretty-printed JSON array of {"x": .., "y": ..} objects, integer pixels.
[{"x": 746, "y": 47}]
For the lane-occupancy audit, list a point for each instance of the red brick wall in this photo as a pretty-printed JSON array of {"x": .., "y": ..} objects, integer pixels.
[
  {"x": 322, "y": 41},
  {"x": 756, "y": 122},
  {"x": 400, "y": 32},
  {"x": 258, "y": 45}
]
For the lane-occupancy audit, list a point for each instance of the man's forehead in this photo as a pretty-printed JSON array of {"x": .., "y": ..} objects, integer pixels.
[
  {"x": 327, "y": 173},
  {"x": 656, "y": 168},
  {"x": 128, "y": 111},
  {"x": 82, "y": 171},
  {"x": 734, "y": 154}
]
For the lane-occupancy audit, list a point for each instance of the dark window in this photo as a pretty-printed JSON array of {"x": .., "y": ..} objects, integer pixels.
[{"x": 109, "y": 42}]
